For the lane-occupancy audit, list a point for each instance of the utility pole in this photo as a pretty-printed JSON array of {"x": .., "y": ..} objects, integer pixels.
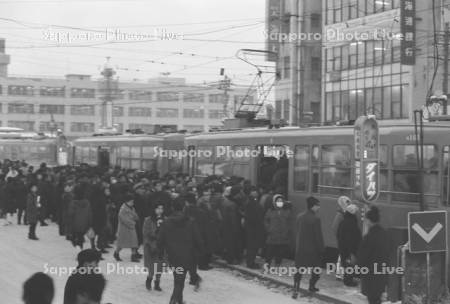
[
  {"x": 295, "y": 102},
  {"x": 225, "y": 85},
  {"x": 446, "y": 58}
]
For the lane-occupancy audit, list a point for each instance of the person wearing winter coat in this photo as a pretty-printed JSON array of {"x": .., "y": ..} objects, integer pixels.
[
  {"x": 98, "y": 203},
  {"x": 309, "y": 244},
  {"x": 126, "y": 230},
  {"x": 277, "y": 224},
  {"x": 374, "y": 250},
  {"x": 343, "y": 202},
  {"x": 66, "y": 201},
  {"x": 80, "y": 217},
  {"x": 21, "y": 199},
  {"x": 32, "y": 214},
  {"x": 230, "y": 227},
  {"x": 254, "y": 228},
  {"x": 349, "y": 239},
  {"x": 153, "y": 256},
  {"x": 9, "y": 192},
  {"x": 180, "y": 238}
]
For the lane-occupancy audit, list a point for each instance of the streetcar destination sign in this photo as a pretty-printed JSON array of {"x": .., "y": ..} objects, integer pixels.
[
  {"x": 427, "y": 231},
  {"x": 366, "y": 144}
]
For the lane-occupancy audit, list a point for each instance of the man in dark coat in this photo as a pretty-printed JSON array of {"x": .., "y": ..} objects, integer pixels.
[
  {"x": 181, "y": 239},
  {"x": 98, "y": 205},
  {"x": 254, "y": 227},
  {"x": 230, "y": 226},
  {"x": 374, "y": 250},
  {"x": 309, "y": 244},
  {"x": 349, "y": 239},
  {"x": 86, "y": 284}
]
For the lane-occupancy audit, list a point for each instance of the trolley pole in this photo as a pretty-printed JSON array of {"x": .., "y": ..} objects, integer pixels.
[{"x": 446, "y": 58}]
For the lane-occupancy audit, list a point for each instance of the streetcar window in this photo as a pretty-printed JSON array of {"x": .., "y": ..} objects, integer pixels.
[
  {"x": 135, "y": 152},
  {"x": 241, "y": 170},
  {"x": 124, "y": 152},
  {"x": 406, "y": 175},
  {"x": 135, "y": 164},
  {"x": 241, "y": 153},
  {"x": 335, "y": 172},
  {"x": 405, "y": 156},
  {"x": 148, "y": 152},
  {"x": 301, "y": 168},
  {"x": 205, "y": 165},
  {"x": 383, "y": 155},
  {"x": 315, "y": 169},
  {"x": 339, "y": 155},
  {"x": 148, "y": 165}
]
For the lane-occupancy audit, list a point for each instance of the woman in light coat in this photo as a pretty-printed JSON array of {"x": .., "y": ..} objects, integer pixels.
[{"x": 126, "y": 230}]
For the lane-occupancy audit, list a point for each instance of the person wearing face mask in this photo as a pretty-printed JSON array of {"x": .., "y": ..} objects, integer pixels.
[
  {"x": 126, "y": 230},
  {"x": 277, "y": 224},
  {"x": 309, "y": 244}
]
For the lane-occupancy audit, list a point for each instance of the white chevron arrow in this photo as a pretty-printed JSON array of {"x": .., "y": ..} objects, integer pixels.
[{"x": 427, "y": 236}]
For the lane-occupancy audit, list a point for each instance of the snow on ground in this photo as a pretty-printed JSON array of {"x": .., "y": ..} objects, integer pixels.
[{"x": 20, "y": 258}]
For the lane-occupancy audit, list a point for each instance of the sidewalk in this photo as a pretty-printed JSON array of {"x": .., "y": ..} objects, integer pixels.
[{"x": 331, "y": 290}]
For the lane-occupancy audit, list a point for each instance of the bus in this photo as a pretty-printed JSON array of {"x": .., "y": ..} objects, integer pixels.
[
  {"x": 129, "y": 151},
  {"x": 319, "y": 161}
]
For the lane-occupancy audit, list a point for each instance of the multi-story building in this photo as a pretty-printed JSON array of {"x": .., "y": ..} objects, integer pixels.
[
  {"x": 380, "y": 57},
  {"x": 294, "y": 33},
  {"x": 74, "y": 103}
]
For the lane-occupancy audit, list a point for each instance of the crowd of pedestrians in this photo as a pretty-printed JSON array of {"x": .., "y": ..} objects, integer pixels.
[{"x": 180, "y": 221}]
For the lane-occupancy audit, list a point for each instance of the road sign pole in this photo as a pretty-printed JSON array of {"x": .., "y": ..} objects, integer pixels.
[{"x": 428, "y": 279}]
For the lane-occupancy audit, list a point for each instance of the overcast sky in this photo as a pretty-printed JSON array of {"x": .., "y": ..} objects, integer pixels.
[{"x": 30, "y": 28}]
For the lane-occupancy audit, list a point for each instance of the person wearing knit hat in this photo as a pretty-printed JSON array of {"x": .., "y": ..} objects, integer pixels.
[
  {"x": 349, "y": 238},
  {"x": 309, "y": 244}
]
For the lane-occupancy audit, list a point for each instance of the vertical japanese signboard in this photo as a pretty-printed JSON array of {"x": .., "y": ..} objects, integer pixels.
[
  {"x": 408, "y": 30},
  {"x": 273, "y": 22},
  {"x": 366, "y": 143}
]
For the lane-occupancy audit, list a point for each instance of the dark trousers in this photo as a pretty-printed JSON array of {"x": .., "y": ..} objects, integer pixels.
[
  {"x": 374, "y": 300},
  {"x": 312, "y": 280},
  {"x": 348, "y": 278},
  {"x": 252, "y": 250},
  {"x": 20, "y": 214},
  {"x": 276, "y": 251},
  {"x": 178, "y": 287},
  {"x": 32, "y": 230}
]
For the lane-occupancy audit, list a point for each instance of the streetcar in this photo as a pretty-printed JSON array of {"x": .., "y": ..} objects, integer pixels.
[
  {"x": 319, "y": 161},
  {"x": 130, "y": 151},
  {"x": 33, "y": 148}
]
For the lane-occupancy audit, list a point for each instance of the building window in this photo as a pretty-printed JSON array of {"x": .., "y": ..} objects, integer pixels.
[
  {"x": 20, "y": 108},
  {"x": 218, "y": 98},
  {"x": 193, "y": 113},
  {"x": 286, "y": 109},
  {"x": 315, "y": 68},
  {"x": 82, "y": 127},
  {"x": 117, "y": 111},
  {"x": 51, "y": 109},
  {"x": 193, "y": 97},
  {"x": 53, "y": 91},
  {"x": 193, "y": 128},
  {"x": 47, "y": 126},
  {"x": 19, "y": 90},
  {"x": 167, "y": 96},
  {"x": 301, "y": 168},
  {"x": 139, "y": 111},
  {"x": 315, "y": 21},
  {"x": 287, "y": 67},
  {"x": 82, "y": 110},
  {"x": 167, "y": 112},
  {"x": 216, "y": 114},
  {"x": 140, "y": 95},
  {"x": 277, "y": 109},
  {"x": 26, "y": 125},
  {"x": 82, "y": 93}
]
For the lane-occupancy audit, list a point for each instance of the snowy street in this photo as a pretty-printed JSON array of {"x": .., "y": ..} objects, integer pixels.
[{"x": 21, "y": 257}]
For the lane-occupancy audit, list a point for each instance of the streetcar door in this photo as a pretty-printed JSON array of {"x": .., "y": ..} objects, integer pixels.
[
  {"x": 103, "y": 157},
  {"x": 273, "y": 168}
]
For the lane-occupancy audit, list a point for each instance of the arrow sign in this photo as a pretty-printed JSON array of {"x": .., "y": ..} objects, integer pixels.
[
  {"x": 427, "y": 231},
  {"x": 427, "y": 236}
]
